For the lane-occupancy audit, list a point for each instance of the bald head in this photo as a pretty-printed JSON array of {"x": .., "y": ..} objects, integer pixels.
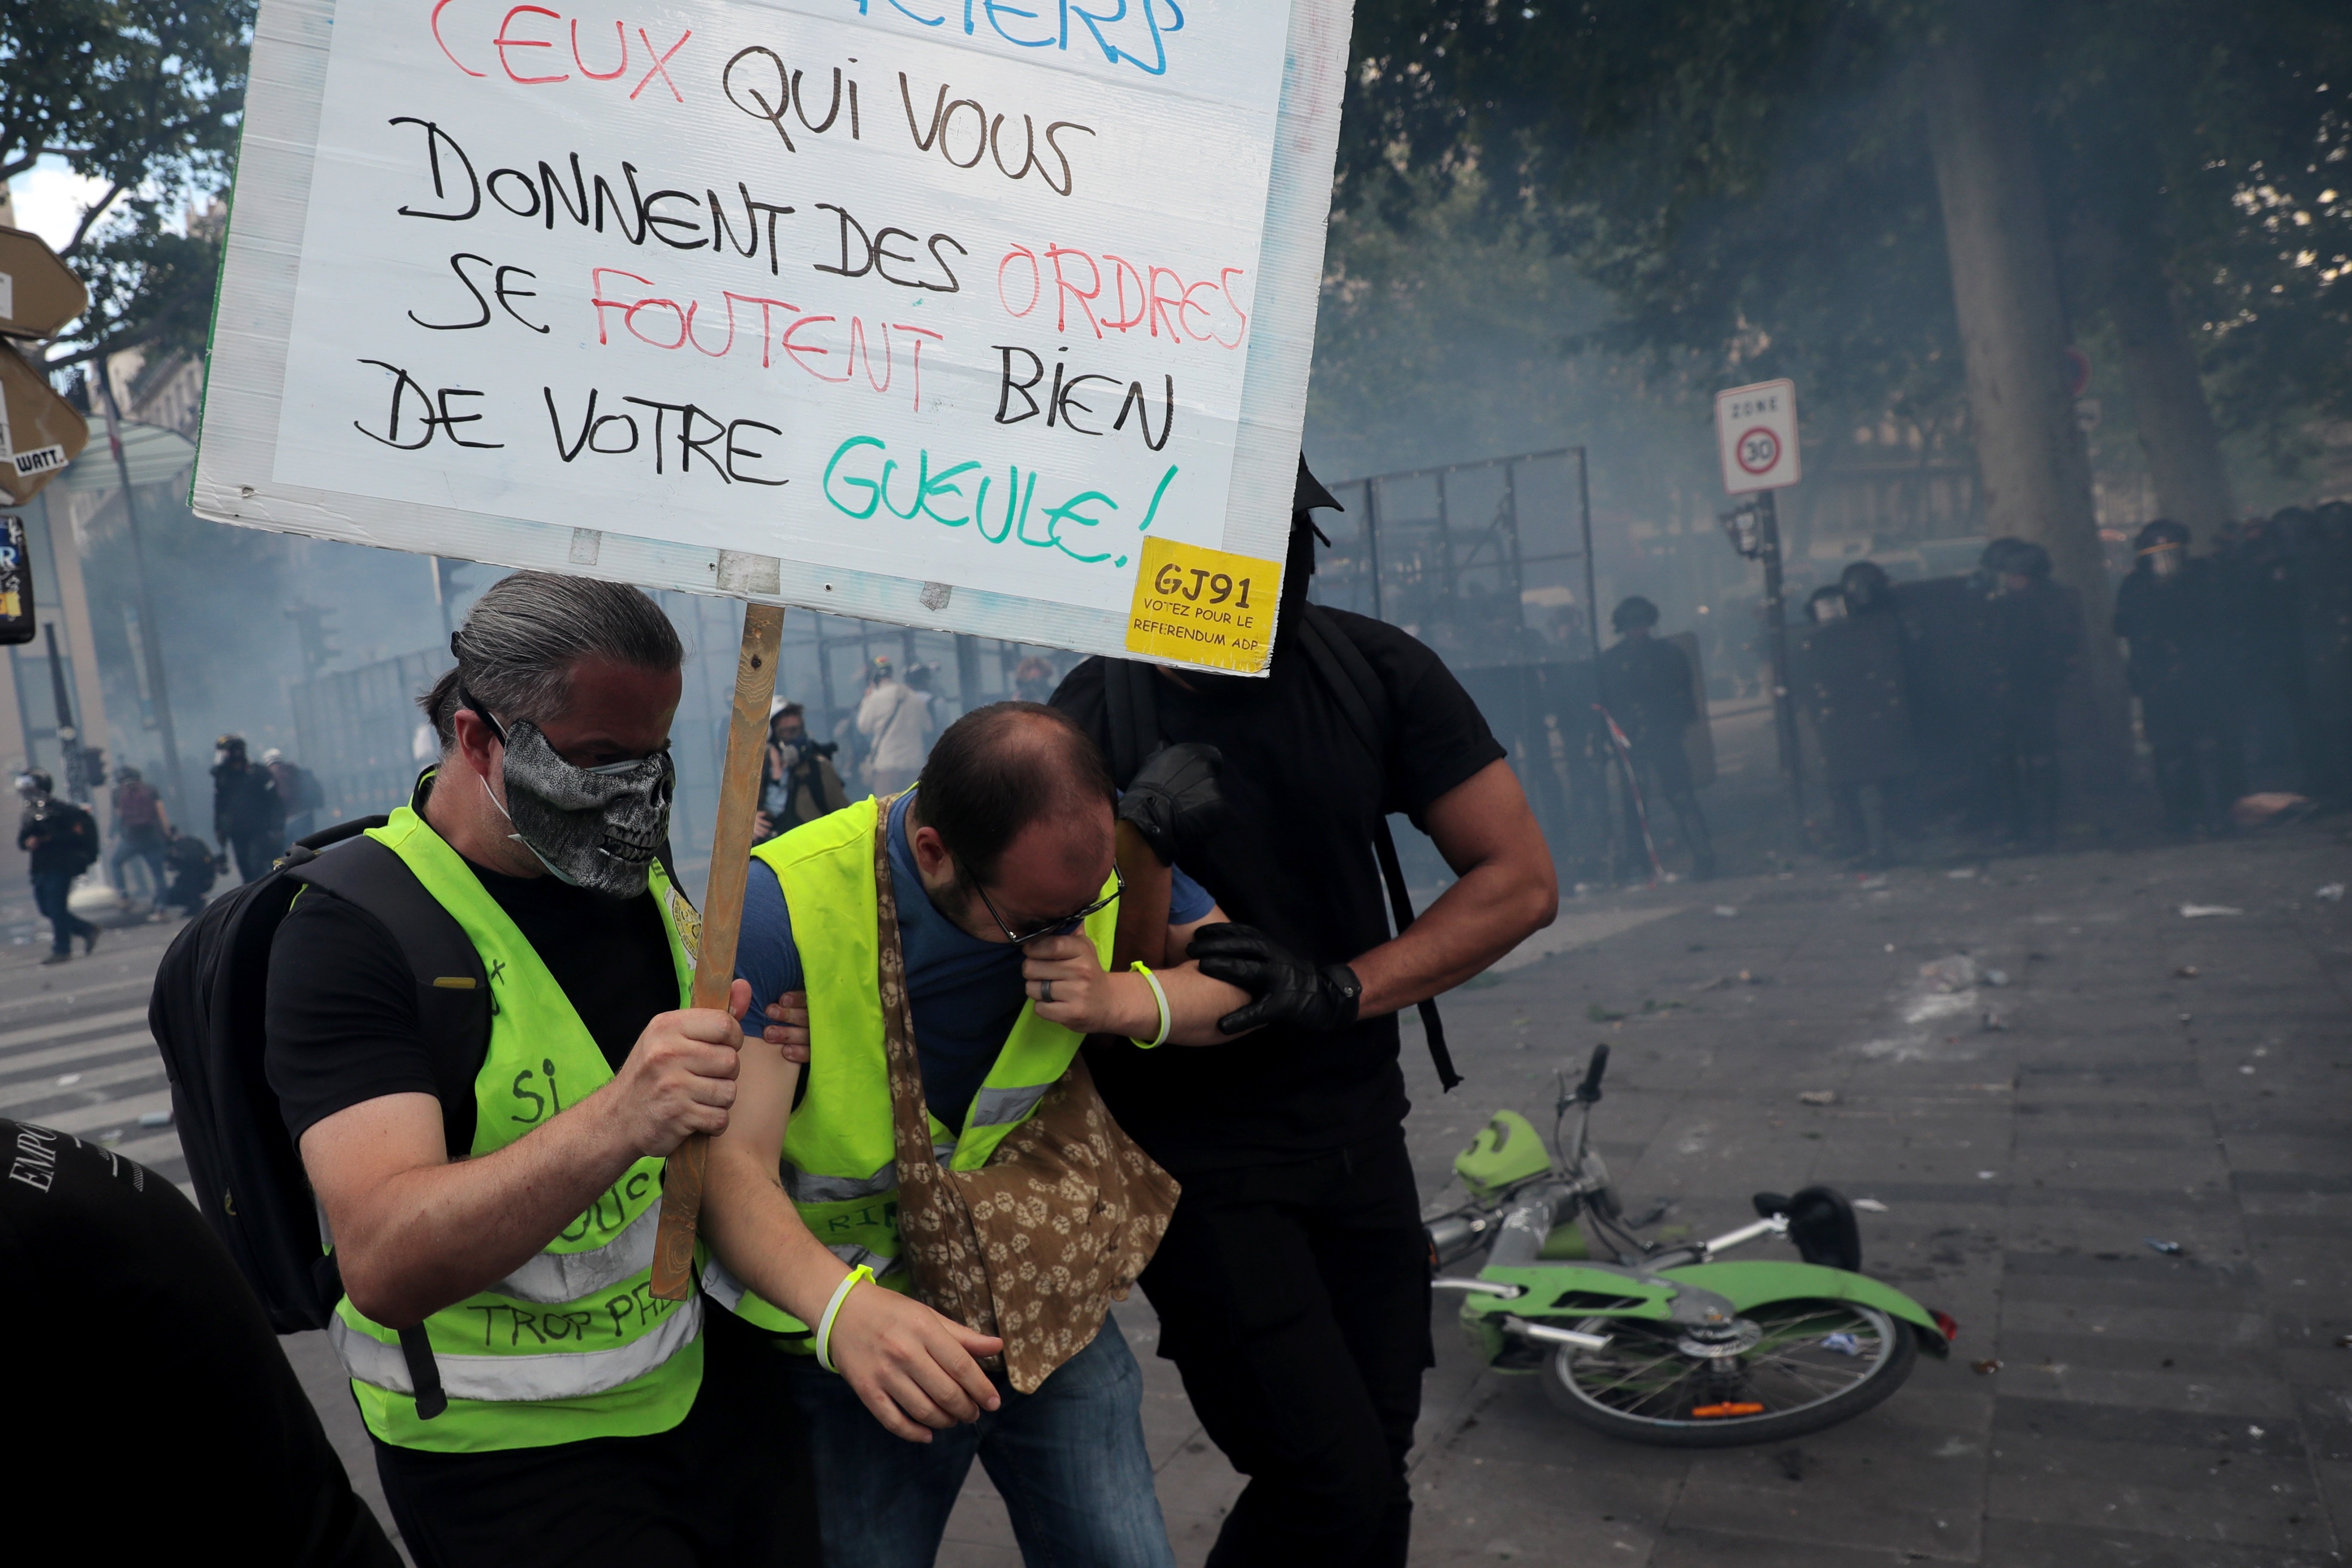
[{"x": 1004, "y": 769}]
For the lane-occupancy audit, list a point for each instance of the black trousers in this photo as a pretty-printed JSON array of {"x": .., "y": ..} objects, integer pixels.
[
  {"x": 255, "y": 853},
  {"x": 1295, "y": 1300},
  {"x": 728, "y": 1487}
]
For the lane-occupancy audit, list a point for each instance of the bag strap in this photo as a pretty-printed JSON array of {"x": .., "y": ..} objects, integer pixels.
[
  {"x": 1349, "y": 676},
  {"x": 453, "y": 991},
  {"x": 947, "y": 1268}
]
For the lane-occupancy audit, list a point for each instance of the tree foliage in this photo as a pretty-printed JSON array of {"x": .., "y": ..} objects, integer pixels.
[
  {"x": 1750, "y": 180},
  {"x": 146, "y": 96}
]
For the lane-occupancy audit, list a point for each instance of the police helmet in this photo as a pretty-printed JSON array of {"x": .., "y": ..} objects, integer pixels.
[
  {"x": 2162, "y": 534},
  {"x": 1866, "y": 586},
  {"x": 1633, "y": 612}
]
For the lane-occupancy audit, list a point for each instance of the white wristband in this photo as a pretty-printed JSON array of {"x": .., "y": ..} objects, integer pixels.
[
  {"x": 833, "y": 1311},
  {"x": 1159, "y": 994}
]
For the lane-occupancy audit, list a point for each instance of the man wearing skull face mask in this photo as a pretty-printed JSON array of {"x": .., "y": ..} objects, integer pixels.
[{"x": 502, "y": 1195}]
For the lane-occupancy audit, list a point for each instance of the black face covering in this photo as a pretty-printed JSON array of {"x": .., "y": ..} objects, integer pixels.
[{"x": 597, "y": 828}]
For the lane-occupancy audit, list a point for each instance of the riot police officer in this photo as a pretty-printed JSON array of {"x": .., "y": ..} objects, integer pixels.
[
  {"x": 2033, "y": 649},
  {"x": 1645, "y": 684},
  {"x": 2171, "y": 610}
]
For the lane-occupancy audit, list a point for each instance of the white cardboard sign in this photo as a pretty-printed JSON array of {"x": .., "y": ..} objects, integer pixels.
[
  {"x": 943, "y": 312},
  {"x": 1755, "y": 433}
]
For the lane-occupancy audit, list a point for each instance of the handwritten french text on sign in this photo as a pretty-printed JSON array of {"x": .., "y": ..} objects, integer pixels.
[
  {"x": 1756, "y": 429},
  {"x": 896, "y": 293}
]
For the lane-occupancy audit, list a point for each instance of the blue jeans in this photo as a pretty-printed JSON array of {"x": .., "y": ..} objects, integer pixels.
[{"x": 1068, "y": 1461}]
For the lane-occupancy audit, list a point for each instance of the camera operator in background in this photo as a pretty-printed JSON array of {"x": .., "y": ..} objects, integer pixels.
[
  {"x": 63, "y": 840},
  {"x": 797, "y": 782},
  {"x": 1293, "y": 1285}
]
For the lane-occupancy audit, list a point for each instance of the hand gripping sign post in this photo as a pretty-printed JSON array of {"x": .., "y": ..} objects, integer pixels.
[
  {"x": 1756, "y": 435},
  {"x": 960, "y": 315}
]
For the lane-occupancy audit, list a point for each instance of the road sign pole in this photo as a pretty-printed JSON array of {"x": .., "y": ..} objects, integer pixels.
[
  {"x": 151, "y": 635},
  {"x": 1776, "y": 625}
]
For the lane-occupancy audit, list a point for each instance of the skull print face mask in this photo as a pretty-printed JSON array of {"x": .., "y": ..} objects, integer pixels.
[{"x": 597, "y": 828}]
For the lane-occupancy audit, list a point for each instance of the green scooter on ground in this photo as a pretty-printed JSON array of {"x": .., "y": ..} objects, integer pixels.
[{"x": 1666, "y": 1345}]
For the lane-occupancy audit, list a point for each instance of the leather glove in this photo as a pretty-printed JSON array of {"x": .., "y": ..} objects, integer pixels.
[
  {"x": 1288, "y": 989},
  {"x": 1175, "y": 797}
]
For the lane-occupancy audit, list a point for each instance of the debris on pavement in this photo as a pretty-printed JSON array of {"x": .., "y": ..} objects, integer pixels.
[
  {"x": 1594, "y": 1012},
  {"x": 1986, "y": 1175},
  {"x": 1996, "y": 976},
  {"x": 1870, "y": 1205},
  {"x": 1961, "y": 873},
  {"x": 2332, "y": 894},
  {"x": 1996, "y": 1023},
  {"x": 2344, "y": 1341},
  {"x": 2271, "y": 805},
  {"x": 2200, "y": 911},
  {"x": 68, "y": 1080},
  {"x": 1986, "y": 1367},
  {"x": 2170, "y": 1249},
  {"x": 2186, "y": 972},
  {"x": 1957, "y": 972},
  {"x": 156, "y": 1119},
  {"x": 1818, "y": 1097},
  {"x": 1726, "y": 910}
]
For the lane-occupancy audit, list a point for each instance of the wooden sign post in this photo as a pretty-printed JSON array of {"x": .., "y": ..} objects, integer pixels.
[{"x": 722, "y": 920}]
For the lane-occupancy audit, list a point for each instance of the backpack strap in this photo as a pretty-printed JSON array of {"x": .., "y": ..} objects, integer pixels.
[
  {"x": 453, "y": 990},
  {"x": 1364, "y": 702},
  {"x": 1131, "y": 704}
]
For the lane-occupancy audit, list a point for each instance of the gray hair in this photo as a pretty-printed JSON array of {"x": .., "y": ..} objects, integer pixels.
[{"x": 521, "y": 639}]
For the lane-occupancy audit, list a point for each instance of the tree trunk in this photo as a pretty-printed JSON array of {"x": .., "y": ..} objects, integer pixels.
[
  {"x": 2034, "y": 472},
  {"x": 2176, "y": 424}
]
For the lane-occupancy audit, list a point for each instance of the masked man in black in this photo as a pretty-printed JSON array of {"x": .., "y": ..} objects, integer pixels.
[{"x": 1293, "y": 1286}]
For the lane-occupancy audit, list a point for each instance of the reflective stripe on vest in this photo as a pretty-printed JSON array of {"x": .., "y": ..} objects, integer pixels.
[
  {"x": 553, "y": 1277},
  {"x": 577, "y": 1322},
  {"x": 533, "y": 1377},
  {"x": 839, "y": 1162}
]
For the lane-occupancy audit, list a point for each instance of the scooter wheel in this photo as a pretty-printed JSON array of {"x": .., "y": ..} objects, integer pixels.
[{"x": 1794, "y": 1367}]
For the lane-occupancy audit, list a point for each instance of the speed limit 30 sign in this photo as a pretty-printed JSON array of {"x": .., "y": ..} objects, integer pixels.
[{"x": 1756, "y": 431}]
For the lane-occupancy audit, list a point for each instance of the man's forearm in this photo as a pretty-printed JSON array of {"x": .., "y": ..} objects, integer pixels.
[
  {"x": 1492, "y": 909},
  {"x": 442, "y": 1233},
  {"x": 757, "y": 1233}
]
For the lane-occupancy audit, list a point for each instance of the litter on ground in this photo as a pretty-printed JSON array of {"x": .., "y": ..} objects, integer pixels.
[
  {"x": 2199, "y": 911},
  {"x": 1818, "y": 1097},
  {"x": 2170, "y": 1249},
  {"x": 1870, "y": 1205}
]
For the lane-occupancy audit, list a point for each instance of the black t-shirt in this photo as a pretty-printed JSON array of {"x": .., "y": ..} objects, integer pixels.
[
  {"x": 341, "y": 1025},
  {"x": 168, "y": 1394},
  {"x": 1295, "y": 859}
]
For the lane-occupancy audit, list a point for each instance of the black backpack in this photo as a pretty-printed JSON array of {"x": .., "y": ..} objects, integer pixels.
[
  {"x": 206, "y": 1017},
  {"x": 1131, "y": 708}
]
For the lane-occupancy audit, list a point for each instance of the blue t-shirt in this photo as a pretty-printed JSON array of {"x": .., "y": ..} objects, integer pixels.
[{"x": 964, "y": 993}]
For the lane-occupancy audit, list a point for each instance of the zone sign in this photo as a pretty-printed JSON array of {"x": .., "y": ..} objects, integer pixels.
[{"x": 1756, "y": 431}]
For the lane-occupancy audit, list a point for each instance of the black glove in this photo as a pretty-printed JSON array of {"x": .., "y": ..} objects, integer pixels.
[
  {"x": 1175, "y": 797},
  {"x": 1288, "y": 989}
]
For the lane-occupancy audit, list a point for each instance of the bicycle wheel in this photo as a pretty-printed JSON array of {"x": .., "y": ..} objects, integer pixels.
[{"x": 1790, "y": 1368}]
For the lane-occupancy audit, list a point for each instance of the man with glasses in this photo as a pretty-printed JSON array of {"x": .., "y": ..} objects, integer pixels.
[{"x": 1001, "y": 863}]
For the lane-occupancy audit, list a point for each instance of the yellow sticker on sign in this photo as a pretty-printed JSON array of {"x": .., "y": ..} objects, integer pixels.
[{"x": 1197, "y": 606}]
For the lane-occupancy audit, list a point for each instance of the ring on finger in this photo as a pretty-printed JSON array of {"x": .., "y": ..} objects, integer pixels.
[{"x": 1045, "y": 991}]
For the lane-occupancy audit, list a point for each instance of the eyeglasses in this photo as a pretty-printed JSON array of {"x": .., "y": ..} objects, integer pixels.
[{"x": 1057, "y": 927}]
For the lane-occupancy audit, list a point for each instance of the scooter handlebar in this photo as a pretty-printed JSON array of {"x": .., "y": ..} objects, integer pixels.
[{"x": 1588, "y": 1091}]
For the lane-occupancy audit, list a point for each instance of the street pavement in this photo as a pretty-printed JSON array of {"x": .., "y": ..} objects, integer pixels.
[{"x": 2152, "y": 1077}]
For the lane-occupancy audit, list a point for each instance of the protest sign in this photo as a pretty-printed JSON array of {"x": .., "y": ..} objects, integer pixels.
[{"x": 956, "y": 313}]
